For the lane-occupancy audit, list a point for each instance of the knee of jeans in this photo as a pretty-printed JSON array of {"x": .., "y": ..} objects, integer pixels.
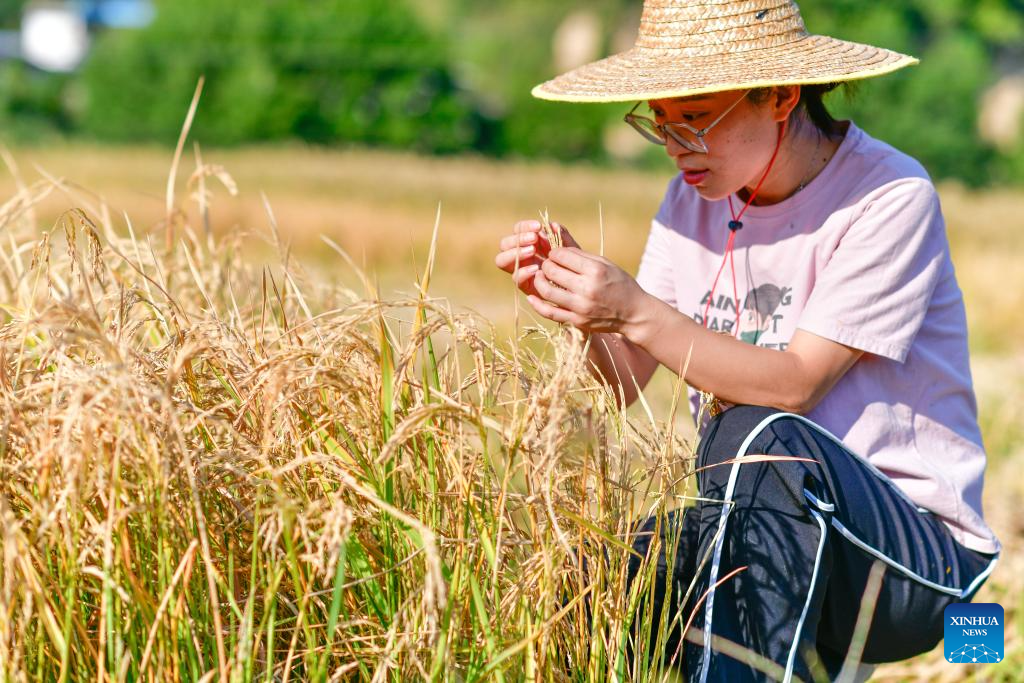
[{"x": 725, "y": 434}]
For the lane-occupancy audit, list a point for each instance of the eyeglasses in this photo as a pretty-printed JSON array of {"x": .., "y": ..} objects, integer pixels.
[{"x": 683, "y": 133}]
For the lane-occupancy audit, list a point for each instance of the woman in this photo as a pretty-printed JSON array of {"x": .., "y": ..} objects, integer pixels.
[{"x": 803, "y": 268}]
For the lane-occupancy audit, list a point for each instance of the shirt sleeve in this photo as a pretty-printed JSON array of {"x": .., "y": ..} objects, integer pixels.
[{"x": 876, "y": 287}]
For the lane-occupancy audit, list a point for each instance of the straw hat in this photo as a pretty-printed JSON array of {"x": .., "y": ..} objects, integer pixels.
[{"x": 687, "y": 47}]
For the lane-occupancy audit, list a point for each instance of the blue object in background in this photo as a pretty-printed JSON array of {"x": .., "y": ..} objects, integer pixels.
[
  {"x": 117, "y": 13},
  {"x": 974, "y": 633}
]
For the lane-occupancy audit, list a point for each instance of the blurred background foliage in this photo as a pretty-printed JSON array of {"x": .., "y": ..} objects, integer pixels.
[
  {"x": 321, "y": 71},
  {"x": 445, "y": 76}
]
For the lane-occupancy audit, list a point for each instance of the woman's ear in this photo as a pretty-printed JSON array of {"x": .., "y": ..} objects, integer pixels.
[{"x": 784, "y": 100}]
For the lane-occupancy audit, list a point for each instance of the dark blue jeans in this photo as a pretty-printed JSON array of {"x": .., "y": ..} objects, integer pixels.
[{"x": 807, "y": 534}]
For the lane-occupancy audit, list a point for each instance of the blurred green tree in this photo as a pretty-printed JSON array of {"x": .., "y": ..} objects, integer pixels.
[
  {"x": 10, "y": 13},
  {"x": 503, "y": 50},
  {"x": 931, "y": 110},
  {"x": 33, "y": 106},
  {"x": 319, "y": 70}
]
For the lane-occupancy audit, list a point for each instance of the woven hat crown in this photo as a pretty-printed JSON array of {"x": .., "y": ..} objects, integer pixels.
[{"x": 707, "y": 28}]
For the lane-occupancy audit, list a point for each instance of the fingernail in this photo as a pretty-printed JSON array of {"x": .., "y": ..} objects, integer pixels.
[
  {"x": 527, "y": 251},
  {"x": 528, "y": 237}
]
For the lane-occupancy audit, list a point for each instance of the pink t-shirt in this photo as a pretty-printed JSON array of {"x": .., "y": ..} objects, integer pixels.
[{"x": 859, "y": 256}]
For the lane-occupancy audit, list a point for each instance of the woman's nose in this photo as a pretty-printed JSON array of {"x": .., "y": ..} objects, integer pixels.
[{"x": 675, "y": 149}]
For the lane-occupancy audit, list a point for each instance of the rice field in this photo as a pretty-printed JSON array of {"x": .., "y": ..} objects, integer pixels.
[{"x": 285, "y": 423}]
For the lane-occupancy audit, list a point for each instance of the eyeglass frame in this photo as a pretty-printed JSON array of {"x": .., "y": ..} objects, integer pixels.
[{"x": 667, "y": 128}]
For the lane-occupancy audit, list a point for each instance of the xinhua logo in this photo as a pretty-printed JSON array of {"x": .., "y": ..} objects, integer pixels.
[{"x": 974, "y": 633}]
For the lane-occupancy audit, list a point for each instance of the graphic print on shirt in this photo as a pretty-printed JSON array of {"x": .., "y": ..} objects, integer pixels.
[{"x": 759, "y": 316}]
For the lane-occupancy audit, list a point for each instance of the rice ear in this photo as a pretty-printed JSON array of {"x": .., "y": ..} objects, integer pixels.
[{"x": 552, "y": 234}]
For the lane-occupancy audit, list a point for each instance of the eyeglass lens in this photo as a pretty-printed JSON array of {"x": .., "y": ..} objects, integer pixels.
[{"x": 685, "y": 135}]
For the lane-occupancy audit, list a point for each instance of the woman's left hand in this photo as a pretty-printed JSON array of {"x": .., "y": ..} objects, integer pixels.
[{"x": 588, "y": 292}]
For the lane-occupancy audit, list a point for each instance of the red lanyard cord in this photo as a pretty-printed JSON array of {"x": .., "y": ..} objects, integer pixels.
[{"x": 734, "y": 226}]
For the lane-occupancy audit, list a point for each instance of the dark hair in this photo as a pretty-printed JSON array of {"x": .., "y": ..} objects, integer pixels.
[{"x": 812, "y": 101}]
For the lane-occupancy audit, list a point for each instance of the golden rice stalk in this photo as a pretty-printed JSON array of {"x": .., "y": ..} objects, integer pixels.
[
  {"x": 551, "y": 233},
  {"x": 202, "y": 454}
]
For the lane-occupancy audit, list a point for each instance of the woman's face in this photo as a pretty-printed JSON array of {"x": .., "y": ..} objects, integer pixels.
[{"x": 739, "y": 146}]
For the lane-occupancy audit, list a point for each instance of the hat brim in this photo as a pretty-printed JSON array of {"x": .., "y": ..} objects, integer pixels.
[{"x": 646, "y": 74}]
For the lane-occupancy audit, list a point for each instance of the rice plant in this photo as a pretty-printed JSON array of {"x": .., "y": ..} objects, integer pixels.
[{"x": 213, "y": 470}]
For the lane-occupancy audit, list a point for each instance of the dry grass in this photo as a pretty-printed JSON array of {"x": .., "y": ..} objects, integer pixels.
[
  {"x": 215, "y": 460},
  {"x": 215, "y": 470}
]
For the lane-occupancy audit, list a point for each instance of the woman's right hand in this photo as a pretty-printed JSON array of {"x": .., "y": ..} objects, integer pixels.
[{"x": 529, "y": 245}]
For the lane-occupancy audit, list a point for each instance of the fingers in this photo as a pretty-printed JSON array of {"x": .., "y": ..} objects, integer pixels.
[
  {"x": 552, "y": 293},
  {"x": 524, "y": 276},
  {"x": 558, "y": 315},
  {"x": 565, "y": 278},
  {"x": 507, "y": 260},
  {"x": 567, "y": 239},
  {"x": 575, "y": 260},
  {"x": 520, "y": 239},
  {"x": 529, "y": 246},
  {"x": 533, "y": 228},
  {"x": 527, "y": 227},
  {"x": 520, "y": 247}
]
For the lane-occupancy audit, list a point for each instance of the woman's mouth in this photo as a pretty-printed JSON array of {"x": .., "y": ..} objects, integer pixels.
[{"x": 695, "y": 177}]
